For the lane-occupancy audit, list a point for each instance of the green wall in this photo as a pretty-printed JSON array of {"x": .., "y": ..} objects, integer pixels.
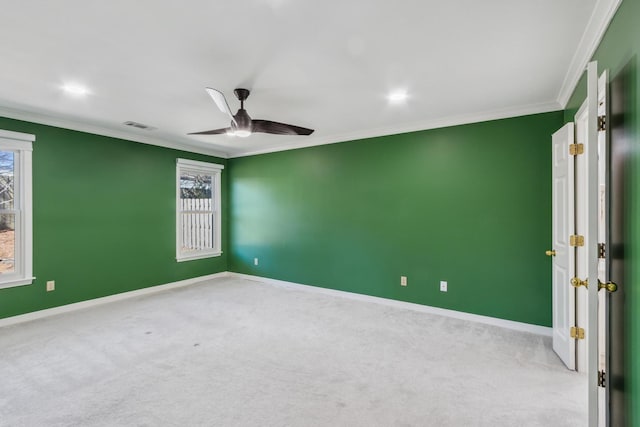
[
  {"x": 468, "y": 204},
  {"x": 618, "y": 52},
  {"x": 104, "y": 218}
]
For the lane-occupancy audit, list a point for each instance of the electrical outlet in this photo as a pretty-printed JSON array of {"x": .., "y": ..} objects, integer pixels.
[
  {"x": 51, "y": 285},
  {"x": 255, "y": 261},
  {"x": 443, "y": 286},
  {"x": 403, "y": 280}
]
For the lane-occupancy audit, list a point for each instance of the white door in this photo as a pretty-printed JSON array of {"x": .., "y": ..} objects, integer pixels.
[
  {"x": 583, "y": 196},
  {"x": 562, "y": 254},
  {"x": 603, "y": 238},
  {"x": 587, "y": 225},
  {"x": 581, "y": 174}
]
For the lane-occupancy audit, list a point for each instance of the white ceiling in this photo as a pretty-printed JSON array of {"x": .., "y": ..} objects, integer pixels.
[{"x": 327, "y": 65}]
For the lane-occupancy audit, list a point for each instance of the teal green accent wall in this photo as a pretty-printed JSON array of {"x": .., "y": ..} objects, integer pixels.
[
  {"x": 104, "y": 218},
  {"x": 618, "y": 52},
  {"x": 468, "y": 204}
]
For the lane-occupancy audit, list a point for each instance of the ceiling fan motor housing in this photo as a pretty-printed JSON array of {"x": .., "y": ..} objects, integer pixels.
[{"x": 242, "y": 119}]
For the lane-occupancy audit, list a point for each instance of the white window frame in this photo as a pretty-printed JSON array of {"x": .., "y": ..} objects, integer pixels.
[
  {"x": 22, "y": 146},
  {"x": 215, "y": 170}
]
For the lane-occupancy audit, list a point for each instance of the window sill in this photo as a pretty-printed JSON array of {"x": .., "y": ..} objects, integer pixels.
[
  {"x": 16, "y": 282},
  {"x": 198, "y": 256}
]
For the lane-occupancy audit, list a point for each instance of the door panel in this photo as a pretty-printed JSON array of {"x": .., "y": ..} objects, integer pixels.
[
  {"x": 563, "y": 261},
  {"x": 581, "y": 175}
]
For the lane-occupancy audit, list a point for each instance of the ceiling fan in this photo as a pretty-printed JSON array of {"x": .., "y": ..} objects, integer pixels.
[{"x": 242, "y": 124}]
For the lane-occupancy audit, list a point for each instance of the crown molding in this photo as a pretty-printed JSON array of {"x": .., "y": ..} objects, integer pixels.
[
  {"x": 603, "y": 13},
  {"x": 50, "y": 120},
  {"x": 411, "y": 127},
  {"x": 600, "y": 19},
  {"x": 47, "y": 119}
]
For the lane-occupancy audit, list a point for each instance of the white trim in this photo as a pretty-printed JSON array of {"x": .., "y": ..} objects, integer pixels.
[
  {"x": 215, "y": 170},
  {"x": 600, "y": 19},
  {"x": 411, "y": 127},
  {"x": 105, "y": 300},
  {"x": 26, "y": 196},
  {"x": 17, "y": 282},
  {"x": 591, "y": 240},
  {"x": 199, "y": 255},
  {"x": 581, "y": 112},
  {"x": 18, "y": 136},
  {"x": 194, "y": 164},
  {"x": 581, "y": 174},
  {"x": 95, "y": 129},
  {"x": 22, "y": 146},
  {"x": 509, "y": 324},
  {"x": 229, "y": 152},
  {"x": 17, "y": 145}
]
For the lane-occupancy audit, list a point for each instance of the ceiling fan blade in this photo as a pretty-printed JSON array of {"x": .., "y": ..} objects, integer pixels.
[
  {"x": 267, "y": 126},
  {"x": 221, "y": 102},
  {"x": 212, "y": 132}
]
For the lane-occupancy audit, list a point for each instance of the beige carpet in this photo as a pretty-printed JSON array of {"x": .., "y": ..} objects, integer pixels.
[{"x": 232, "y": 352}]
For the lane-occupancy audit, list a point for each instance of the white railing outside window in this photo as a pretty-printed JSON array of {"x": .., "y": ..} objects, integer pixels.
[{"x": 197, "y": 224}]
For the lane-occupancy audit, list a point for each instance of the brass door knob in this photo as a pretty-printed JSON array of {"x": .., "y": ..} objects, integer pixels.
[
  {"x": 551, "y": 253},
  {"x": 576, "y": 283},
  {"x": 609, "y": 286}
]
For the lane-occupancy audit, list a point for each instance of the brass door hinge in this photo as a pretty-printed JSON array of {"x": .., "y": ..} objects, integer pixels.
[
  {"x": 576, "y": 333},
  {"x": 576, "y": 240},
  {"x": 602, "y": 250},
  {"x": 602, "y": 379},
  {"x": 575, "y": 149},
  {"x": 602, "y": 123}
]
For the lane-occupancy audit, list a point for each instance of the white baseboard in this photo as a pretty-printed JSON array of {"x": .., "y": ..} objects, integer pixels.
[
  {"x": 509, "y": 324},
  {"x": 104, "y": 300},
  {"x": 519, "y": 326}
]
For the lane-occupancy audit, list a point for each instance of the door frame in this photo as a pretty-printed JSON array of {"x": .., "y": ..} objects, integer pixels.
[
  {"x": 593, "y": 222},
  {"x": 591, "y": 242},
  {"x": 604, "y": 227},
  {"x": 586, "y": 254}
]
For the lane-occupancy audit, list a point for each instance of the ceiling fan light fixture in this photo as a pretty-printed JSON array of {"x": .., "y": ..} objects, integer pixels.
[{"x": 235, "y": 130}]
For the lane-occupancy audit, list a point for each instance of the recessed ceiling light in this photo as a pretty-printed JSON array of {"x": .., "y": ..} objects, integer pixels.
[
  {"x": 75, "y": 89},
  {"x": 397, "y": 96}
]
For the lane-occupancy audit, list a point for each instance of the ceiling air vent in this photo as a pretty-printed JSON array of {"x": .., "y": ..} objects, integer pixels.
[{"x": 139, "y": 126}]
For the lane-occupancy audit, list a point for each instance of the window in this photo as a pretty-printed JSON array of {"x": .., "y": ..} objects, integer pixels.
[
  {"x": 15, "y": 209},
  {"x": 198, "y": 218}
]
